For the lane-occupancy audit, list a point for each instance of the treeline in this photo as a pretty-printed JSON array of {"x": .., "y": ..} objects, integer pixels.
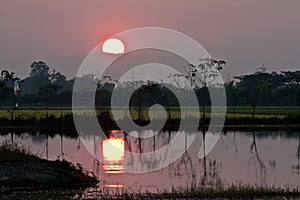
[{"x": 45, "y": 87}]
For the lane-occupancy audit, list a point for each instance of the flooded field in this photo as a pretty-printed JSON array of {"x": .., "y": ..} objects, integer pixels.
[{"x": 264, "y": 158}]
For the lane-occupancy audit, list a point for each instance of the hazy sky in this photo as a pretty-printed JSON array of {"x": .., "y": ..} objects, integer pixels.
[{"x": 245, "y": 33}]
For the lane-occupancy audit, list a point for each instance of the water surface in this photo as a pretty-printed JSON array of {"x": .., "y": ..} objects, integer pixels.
[{"x": 267, "y": 158}]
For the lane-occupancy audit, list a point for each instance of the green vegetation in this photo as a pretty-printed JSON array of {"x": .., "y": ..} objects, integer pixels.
[
  {"x": 175, "y": 113},
  {"x": 62, "y": 119},
  {"x": 37, "y": 113}
]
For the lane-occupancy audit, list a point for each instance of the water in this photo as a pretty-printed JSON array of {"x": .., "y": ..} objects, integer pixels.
[{"x": 267, "y": 158}]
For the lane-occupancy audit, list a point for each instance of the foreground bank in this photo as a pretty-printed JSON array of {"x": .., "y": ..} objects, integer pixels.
[{"x": 20, "y": 171}]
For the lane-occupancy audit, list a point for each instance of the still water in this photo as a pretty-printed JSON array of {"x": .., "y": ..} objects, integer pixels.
[{"x": 267, "y": 158}]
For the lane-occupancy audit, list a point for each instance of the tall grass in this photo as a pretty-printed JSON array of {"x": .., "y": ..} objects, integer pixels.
[{"x": 231, "y": 192}]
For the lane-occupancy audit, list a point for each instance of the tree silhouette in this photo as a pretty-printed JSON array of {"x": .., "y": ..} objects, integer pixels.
[
  {"x": 293, "y": 81},
  {"x": 6, "y": 79},
  {"x": 251, "y": 86},
  {"x": 200, "y": 77},
  {"x": 147, "y": 89}
]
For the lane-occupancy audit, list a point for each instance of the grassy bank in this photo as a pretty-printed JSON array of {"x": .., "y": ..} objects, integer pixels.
[
  {"x": 61, "y": 120},
  {"x": 66, "y": 126},
  {"x": 19, "y": 169}
]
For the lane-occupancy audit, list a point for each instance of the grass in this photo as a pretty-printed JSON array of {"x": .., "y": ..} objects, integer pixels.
[
  {"x": 36, "y": 113},
  {"x": 19, "y": 169},
  {"x": 235, "y": 117},
  {"x": 231, "y": 192},
  {"x": 232, "y": 112},
  {"x": 239, "y": 192}
]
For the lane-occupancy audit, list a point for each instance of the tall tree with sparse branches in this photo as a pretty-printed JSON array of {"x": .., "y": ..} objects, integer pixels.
[{"x": 201, "y": 76}]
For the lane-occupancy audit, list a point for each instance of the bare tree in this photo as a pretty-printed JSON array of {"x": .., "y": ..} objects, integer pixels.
[{"x": 200, "y": 76}]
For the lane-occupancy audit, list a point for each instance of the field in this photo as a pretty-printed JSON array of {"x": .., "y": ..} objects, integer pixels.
[{"x": 157, "y": 113}]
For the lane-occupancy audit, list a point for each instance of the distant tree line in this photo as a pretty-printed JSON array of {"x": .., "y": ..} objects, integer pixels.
[{"x": 46, "y": 87}]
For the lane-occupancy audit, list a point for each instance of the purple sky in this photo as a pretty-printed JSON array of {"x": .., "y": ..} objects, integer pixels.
[{"x": 245, "y": 33}]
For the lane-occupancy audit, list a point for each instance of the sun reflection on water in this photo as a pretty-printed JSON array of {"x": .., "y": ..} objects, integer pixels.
[
  {"x": 113, "y": 186},
  {"x": 113, "y": 154}
]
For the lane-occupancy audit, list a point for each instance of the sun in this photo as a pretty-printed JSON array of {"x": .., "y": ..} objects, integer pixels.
[{"x": 113, "y": 46}]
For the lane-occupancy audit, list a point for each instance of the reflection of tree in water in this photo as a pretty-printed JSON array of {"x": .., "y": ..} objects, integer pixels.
[
  {"x": 296, "y": 168},
  {"x": 233, "y": 142},
  {"x": 96, "y": 162},
  {"x": 185, "y": 167},
  {"x": 259, "y": 162},
  {"x": 210, "y": 175},
  {"x": 206, "y": 174}
]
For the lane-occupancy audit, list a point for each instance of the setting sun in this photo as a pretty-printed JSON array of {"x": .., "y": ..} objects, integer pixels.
[
  {"x": 113, "y": 46},
  {"x": 113, "y": 149}
]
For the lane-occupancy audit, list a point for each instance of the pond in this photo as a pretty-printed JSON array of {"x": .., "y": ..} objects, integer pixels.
[{"x": 266, "y": 158}]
